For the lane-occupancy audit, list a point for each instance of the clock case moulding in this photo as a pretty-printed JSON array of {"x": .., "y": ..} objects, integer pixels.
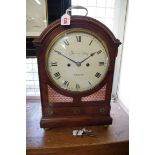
[{"x": 75, "y": 113}]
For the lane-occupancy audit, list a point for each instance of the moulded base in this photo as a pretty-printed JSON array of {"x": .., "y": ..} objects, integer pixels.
[{"x": 71, "y": 121}]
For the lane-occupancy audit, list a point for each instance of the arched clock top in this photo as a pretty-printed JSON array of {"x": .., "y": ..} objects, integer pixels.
[{"x": 79, "y": 21}]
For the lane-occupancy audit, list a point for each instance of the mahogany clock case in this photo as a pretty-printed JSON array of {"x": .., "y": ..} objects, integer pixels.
[{"x": 75, "y": 112}]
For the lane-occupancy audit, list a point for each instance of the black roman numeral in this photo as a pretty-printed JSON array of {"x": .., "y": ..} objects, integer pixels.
[
  {"x": 54, "y": 64},
  {"x": 66, "y": 42},
  {"x": 101, "y": 63},
  {"x": 90, "y": 42},
  {"x": 89, "y": 83},
  {"x": 57, "y": 75},
  {"x": 77, "y": 86},
  {"x": 66, "y": 83},
  {"x": 78, "y": 38},
  {"x": 97, "y": 75},
  {"x": 98, "y": 52}
]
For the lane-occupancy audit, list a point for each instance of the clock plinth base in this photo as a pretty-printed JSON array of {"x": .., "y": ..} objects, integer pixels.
[{"x": 75, "y": 121}]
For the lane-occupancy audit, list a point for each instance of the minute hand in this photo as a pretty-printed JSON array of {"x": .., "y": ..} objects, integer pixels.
[
  {"x": 65, "y": 56},
  {"x": 92, "y": 54}
]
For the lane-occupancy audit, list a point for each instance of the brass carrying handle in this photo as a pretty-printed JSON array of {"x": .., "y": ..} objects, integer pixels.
[{"x": 77, "y": 7}]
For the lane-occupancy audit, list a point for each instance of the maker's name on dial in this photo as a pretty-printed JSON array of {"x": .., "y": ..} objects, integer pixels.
[
  {"x": 78, "y": 74},
  {"x": 78, "y": 53}
]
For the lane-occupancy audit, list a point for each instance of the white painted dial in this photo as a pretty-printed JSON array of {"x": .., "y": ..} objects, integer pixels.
[{"x": 77, "y": 60}]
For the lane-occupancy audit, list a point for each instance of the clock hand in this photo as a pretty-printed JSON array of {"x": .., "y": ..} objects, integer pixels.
[
  {"x": 77, "y": 63},
  {"x": 92, "y": 54}
]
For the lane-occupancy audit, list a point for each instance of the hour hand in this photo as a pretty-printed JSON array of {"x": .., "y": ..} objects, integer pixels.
[{"x": 92, "y": 54}]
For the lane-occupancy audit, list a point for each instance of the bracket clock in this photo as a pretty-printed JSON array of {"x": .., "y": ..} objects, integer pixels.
[{"x": 76, "y": 67}]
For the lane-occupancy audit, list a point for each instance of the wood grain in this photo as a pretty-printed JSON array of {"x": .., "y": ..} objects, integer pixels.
[{"x": 112, "y": 140}]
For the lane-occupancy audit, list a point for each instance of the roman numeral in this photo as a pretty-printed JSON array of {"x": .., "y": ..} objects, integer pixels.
[
  {"x": 89, "y": 83},
  {"x": 98, "y": 52},
  {"x": 101, "y": 63},
  {"x": 90, "y": 42},
  {"x": 97, "y": 75},
  {"x": 54, "y": 64},
  {"x": 66, "y": 83},
  {"x": 78, "y": 38},
  {"x": 66, "y": 42},
  {"x": 57, "y": 75},
  {"x": 77, "y": 86}
]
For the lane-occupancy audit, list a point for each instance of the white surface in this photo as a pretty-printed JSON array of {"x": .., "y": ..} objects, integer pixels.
[
  {"x": 137, "y": 83},
  {"x": 120, "y": 13},
  {"x": 32, "y": 83},
  {"x": 36, "y": 20}
]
